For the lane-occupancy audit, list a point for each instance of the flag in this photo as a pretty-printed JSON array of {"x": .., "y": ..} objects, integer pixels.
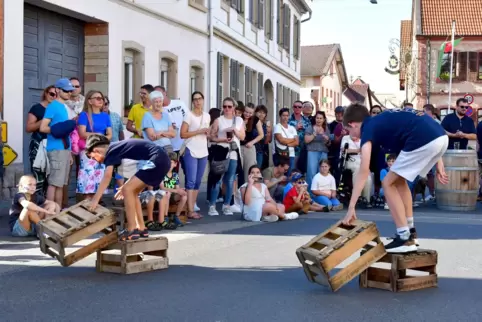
[{"x": 444, "y": 53}]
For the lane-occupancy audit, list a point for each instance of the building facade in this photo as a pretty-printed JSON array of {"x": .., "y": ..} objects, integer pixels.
[
  {"x": 250, "y": 51},
  {"x": 431, "y": 27},
  {"x": 323, "y": 77}
]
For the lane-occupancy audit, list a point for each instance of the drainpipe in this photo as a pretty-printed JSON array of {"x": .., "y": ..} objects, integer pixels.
[
  {"x": 429, "y": 64},
  {"x": 210, "y": 49},
  {"x": 309, "y": 12}
]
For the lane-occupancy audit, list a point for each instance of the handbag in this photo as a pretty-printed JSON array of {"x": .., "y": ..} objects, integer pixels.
[
  {"x": 282, "y": 152},
  {"x": 220, "y": 167},
  {"x": 184, "y": 143},
  {"x": 82, "y": 142}
]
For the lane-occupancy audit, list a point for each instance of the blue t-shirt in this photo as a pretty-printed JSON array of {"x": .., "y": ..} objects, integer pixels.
[
  {"x": 100, "y": 121},
  {"x": 451, "y": 123},
  {"x": 162, "y": 125},
  {"x": 400, "y": 130},
  {"x": 56, "y": 112},
  {"x": 479, "y": 138}
]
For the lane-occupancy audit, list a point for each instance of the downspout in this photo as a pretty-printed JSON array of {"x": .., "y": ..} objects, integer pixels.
[
  {"x": 210, "y": 50},
  {"x": 429, "y": 64},
  {"x": 309, "y": 15}
]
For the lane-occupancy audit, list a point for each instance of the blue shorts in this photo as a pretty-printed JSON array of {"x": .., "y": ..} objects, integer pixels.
[
  {"x": 118, "y": 176},
  {"x": 19, "y": 231}
]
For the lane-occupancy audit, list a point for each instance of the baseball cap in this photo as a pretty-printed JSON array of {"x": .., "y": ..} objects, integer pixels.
[
  {"x": 339, "y": 109},
  {"x": 295, "y": 177},
  {"x": 64, "y": 84}
]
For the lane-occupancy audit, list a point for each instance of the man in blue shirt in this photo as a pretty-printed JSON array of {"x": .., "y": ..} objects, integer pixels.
[
  {"x": 58, "y": 148},
  {"x": 420, "y": 143},
  {"x": 459, "y": 127}
]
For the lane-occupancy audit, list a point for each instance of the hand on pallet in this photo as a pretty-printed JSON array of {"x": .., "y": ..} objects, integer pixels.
[{"x": 349, "y": 217}]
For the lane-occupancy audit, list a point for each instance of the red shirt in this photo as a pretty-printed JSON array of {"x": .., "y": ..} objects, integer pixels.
[{"x": 289, "y": 198}]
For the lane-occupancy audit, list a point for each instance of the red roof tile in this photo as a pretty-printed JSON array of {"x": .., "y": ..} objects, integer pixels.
[
  {"x": 437, "y": 16},
  {"x": 405, "y": 44}
]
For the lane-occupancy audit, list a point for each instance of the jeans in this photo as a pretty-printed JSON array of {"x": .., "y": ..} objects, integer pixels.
[
  {"x": 228, "y": 179},
  {"x": 259, "y": 159},
  {"x": 194, "y": 170},
  {"x": 325, "y": 201},
  {"x": 313, "y": 166}
]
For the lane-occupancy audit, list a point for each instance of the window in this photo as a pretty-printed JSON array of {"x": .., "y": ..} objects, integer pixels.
[
  {"x": 286, "y": 27},
  {"x": 261, "y": 99},
  {"x": 168, "y": 72},
  {"x": 248, "y": 86},
  {"x": 279, "y": 96},
  {"x": 467, "y": 66},
  {"x": 296, "y": 38},
  {"x": 256, "y": 13},
  {"x": 128, "y": 78},
  {"x": 286, "y": 97},
  {"x": 279, "y": 22},
  {"x": 164, "y": 74},
  {"x": 237, "y": 5},
  {"x": 234, "y": 79},
  {"x": 269, "y": 17},
  {"x": 193, "y": 80}
]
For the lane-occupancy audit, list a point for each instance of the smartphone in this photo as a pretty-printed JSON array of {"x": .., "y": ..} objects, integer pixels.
[
  {"x": 258, "y": 179},
  {"x": 229, "y": 135}
]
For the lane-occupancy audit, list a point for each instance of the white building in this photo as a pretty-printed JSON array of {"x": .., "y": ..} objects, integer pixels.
[{"x": 250, "y": 52}]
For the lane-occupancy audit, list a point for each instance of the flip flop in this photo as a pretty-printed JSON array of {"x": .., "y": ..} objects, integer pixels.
[{"x": 194, "y": 215}]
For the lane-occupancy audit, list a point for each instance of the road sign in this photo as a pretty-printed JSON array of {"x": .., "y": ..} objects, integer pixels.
[
  {"x": 4, "y": 126},
  {"x": 469, "y": 111},
  {"x": 9, "y": 155},
  {"x": 469, "y": 98}
]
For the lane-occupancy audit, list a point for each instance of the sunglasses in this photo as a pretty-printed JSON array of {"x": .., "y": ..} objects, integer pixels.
[
  {"x": 68, "y": 92},
  {"x": 76, "y": 86},
  {"x": 98, "y": 98},
  {"x": 297, "y": 106},
  {"x": 227, "y": 106},
  {"x": 465, "y": 107},
  {"x": 52, "y": 94}
]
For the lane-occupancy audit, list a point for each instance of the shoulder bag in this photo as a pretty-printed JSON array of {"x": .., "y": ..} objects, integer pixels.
[{"x": 282, "y": 152}]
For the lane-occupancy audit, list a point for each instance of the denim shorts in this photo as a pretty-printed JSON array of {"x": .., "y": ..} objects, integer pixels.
[{"x": 19, "y": 231}]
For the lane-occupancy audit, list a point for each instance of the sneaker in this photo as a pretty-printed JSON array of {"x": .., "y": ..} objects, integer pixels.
[
  {"x": 337, "y": 208},
  {"x": 212, "y": 211},
  {"x": 413, "y": 236},
  {"x": 219, "y": 200},
  {"x": 196, "y": 208},
  {"x": 227, "y": 210},
  {"x": 386, "y": 206},
  {"x": 236, "y": 208},
  {"x": 269, "y": 218},
  {"x": 291, "y": 216},
  {"x": 398, "y": 245}
]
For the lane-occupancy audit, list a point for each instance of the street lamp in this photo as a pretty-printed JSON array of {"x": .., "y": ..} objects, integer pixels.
[{"x": 374, "y": 1}]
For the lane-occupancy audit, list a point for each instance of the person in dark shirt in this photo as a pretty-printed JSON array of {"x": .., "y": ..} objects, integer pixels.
[
  {"x": 29, "y": 208},
  {"x": 459, "y": 127},
  {"x": 154, "y": 163},
  {"x": 420, "y": 143}
]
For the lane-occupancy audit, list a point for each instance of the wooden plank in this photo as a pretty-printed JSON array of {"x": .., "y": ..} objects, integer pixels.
[
  {"x": 69, "y": 220},
  {"x": 88, "y": 231},
  {"x": 144, "y": 245},
  {"x": 89, "y": 249},
  {"x": 55, "y": 228},
  {"x": 118, "y": 257},
  {"x": 314, "y": 239},
  {"x": 341, "y": 254},
  {"x": 416, "y": 283},
  {"x": 83, "y": 214},
  {"x": 146, "y": 265},
  {"x": 340, "y": 242},
  {"x": 379, "y": 285},
  {"x": 300, "y": 254},
  {"x": 110, "y": 268},
  {"x": 52, "y": 243},
  {"x": 359, "y": 265},
  {"x": 339, "y": 231},
  {"x": 410, "y": 261}
]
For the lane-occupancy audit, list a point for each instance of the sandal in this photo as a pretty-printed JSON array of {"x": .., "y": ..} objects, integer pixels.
[
  {"x": 128, "y": 235},
  {"x": 168, "y": 225},
  {"x": 193, "y": 215},
  {"x": 153, "y": 226}
]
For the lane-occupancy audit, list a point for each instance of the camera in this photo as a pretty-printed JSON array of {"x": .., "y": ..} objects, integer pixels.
[{"x": 258, "y": 179}]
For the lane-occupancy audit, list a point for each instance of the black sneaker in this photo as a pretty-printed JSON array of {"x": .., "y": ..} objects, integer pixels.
[
  {"x": 414, "y": 236},
  {"x": 398, "y": 245},
  {"x": 126, "y": 235}
]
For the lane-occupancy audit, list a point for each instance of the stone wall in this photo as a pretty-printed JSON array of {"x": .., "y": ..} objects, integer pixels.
[
  {"x": 96, "y": 65},
  {"x": 11, "y": 176}
]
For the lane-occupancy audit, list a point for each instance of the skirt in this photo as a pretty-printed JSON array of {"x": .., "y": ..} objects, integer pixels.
[{"x": 90, "y": 175}]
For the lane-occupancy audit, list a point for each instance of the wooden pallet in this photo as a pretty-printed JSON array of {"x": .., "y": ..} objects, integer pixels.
[
  {"x": 135, "y": 256},
  {"x": 326, "y": 251},
  {"x": 72, "y": 225},
  {"x": 396, "y": 279}
]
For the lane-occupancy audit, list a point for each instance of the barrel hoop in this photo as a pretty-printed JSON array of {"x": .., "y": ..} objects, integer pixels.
[
  {"x": 461, "y": 169},
  {"x": 456, "y": 191}
]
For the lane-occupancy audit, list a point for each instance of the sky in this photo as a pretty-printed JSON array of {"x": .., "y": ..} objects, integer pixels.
[{"x": 364, "y": 31}]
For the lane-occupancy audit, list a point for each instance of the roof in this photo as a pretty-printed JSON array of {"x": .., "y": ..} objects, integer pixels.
[
  {"x": 358, "y": 92},
  {"x": 405, "y": 43},
  {"x": 437, "y": 15},
  {"x": 315, "y": 60}
]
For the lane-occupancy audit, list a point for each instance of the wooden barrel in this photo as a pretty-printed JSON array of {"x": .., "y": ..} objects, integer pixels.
[{"x": 460, "y": 194}]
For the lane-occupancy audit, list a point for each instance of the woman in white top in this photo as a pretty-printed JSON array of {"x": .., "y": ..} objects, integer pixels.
[
  {"x": 286, "y": 139},
  {"x": 226, "y": 133},
  {"x": 353, "y": 161},
  {"x": 258, "y": 204},
  {"x": 194, "y": 131}
]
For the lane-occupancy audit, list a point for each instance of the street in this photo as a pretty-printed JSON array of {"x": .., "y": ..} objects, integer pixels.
[{"x": 224, "y": 269}]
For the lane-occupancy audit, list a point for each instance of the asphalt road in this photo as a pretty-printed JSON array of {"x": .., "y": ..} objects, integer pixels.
[{"x": 226, "y": 270}]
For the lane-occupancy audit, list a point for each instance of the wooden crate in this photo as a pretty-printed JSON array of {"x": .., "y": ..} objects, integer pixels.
[
  {"x": 72, "y": 225},
  {"x": 326, "y": 251},
  {"x": 135, "y": 256},
  {"x": 396, "y": 279},
  {"x": 121, "y": 216}
]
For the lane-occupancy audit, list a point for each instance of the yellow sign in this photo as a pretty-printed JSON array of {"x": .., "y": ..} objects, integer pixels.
[
  {"x": 9, "y": 155},
  {"x": 3, "y": 126}
]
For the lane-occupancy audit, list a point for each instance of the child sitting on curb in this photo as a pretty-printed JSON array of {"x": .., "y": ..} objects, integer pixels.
[
  {"x": 298, "y": 199},
  {"x": 29, "y": 208},
  {"x": 323, "y": 188}
]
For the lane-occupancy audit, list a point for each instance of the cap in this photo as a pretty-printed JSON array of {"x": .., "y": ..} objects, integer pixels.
[
  {"x": 339, "y": 109},
  {"x": 296, "y": 177},
  {"x": 64, "y": 84}
]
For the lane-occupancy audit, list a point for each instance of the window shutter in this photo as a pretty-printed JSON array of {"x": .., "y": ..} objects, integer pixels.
[
  {"x": 220, "y": 80},
  {"x": 251, "y": 11},
  {"x": 279, "y": 96},
  {"x": 260, "y": 23},
  {"x": 296, "y": 36},
  {"x": 246, "y": 85},
  {"x": 236, "y": 89},
  {"x": 286, "y": 27},
  {"x": 260, "y": 88},
  {"x": 271, "y": 19},
  {"x": 232, "y": 76},
  {"x": 279, "y": 27}
]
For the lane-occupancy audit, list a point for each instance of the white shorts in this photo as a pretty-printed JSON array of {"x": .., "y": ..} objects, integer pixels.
[{"x": 419, "y": 162}]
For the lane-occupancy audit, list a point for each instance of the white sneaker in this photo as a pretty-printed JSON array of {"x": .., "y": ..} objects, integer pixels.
[
  {"x": 386, "y": 207},
  {"x": 196, "y": 208},
  {"x": 212, "y": 211},
  {"x": 429, "y": 198},
  {"x": 291, "y": 216},
  {"x": 227, "y": 211},
  {"x": 220, "y": 200},
  {"x": 269, "y": 218},
  {"x": 235, "y": 208}
]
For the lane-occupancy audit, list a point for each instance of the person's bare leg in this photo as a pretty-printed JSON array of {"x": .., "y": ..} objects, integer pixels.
[
  {"x": 59, "y": 193},
  {"x": 150, "y": 206},
  {"x": 139, "y": 213},
  {"x": 316, "y": 207},
  {"x": 130, "y": 192},
  {"x": 51, "y": 193},
  {"x": 270, "y": 209},
  {"x": 190, "y": 200},
  {"x": 394, "y": 200},
  {"x": 164, "y": 207},
  {"x": 180, "y": 205},
  {"x": 27, "y": 218}
]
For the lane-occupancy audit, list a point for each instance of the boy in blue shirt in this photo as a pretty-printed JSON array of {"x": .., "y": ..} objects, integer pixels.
[{"x": 420, "y": 143}]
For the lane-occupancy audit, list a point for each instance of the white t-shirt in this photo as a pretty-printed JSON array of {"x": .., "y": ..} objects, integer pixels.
[
  {"x": 323, "y": 183},
  {"x": 351, "y": 146},
  {"x": 177, "y": 111},
  {"x": 287, "y": 133},
  {"x": 224, "y": 124},
  {"x": 197, "y": 145}
]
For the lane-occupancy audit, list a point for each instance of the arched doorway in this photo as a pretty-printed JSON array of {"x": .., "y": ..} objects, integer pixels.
[{"x": 269, "y": 100}]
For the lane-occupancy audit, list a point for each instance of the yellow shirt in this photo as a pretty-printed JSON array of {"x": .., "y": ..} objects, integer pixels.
[{"x": 135, "y": 115}]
